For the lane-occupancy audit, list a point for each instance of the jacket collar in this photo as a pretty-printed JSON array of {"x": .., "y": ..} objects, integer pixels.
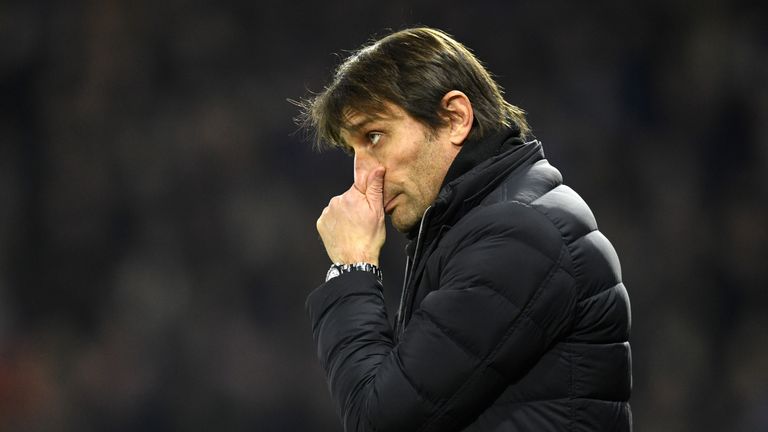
[
  {"x": 474, "y": 152},
  {"x": 478, "y": 168}
]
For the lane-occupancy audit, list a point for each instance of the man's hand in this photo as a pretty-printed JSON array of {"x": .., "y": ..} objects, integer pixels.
[{"x": 352, "y": 226}]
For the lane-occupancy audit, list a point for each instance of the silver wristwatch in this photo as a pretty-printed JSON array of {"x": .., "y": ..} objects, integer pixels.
[{"x": 337, "y": 269}]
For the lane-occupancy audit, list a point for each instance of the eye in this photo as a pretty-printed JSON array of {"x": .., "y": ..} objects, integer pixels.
[{"x": 374, "y": 137}]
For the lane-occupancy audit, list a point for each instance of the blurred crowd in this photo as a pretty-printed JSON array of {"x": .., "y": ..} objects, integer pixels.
[{"x": 158, "y": 204}]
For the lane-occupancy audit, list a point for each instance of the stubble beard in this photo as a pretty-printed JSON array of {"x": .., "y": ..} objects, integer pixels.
[
  {"x": 405, "y": 223},
  {"x": 409, "y": 213}
]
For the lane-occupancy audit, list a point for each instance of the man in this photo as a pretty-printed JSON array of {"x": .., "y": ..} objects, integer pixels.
[{"x": 513, "y": 316}]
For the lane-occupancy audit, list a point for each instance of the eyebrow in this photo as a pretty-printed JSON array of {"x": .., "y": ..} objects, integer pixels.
[
  {"x": 370, "y": 118},
  {"x": 359, "y": 125}
]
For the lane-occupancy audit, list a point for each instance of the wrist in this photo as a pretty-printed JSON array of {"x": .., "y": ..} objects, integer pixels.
[{"x": 356, "y": 258}]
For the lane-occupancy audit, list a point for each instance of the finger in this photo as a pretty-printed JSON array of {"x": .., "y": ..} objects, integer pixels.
[{"x": 374, "y": 190}]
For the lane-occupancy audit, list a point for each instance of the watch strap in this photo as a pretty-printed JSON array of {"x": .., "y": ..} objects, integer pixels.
[{"x": 339, "y": 269}]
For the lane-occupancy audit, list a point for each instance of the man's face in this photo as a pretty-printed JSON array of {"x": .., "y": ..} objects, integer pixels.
[{"x": 415, "y": 158}]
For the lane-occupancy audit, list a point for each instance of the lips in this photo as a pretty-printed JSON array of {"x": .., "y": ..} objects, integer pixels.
[{"x": 388, "y": 207}]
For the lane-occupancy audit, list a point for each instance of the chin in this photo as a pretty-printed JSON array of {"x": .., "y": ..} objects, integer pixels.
[
  {"x": 403, "y": 226},
  {"x": 398, "y": 226}
]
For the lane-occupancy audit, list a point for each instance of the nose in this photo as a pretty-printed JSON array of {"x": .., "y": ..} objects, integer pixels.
[{"x": 364, "y": 164}]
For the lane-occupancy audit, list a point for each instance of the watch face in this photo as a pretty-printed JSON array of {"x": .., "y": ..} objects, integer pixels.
[{"x": 332, "y": 273}]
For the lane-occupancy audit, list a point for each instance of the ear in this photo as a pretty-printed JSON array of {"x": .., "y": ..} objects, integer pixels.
[{"x": 460, "y": 115}]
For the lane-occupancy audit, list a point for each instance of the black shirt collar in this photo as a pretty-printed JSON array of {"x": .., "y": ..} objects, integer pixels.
[{"x": 474, "y": 152}]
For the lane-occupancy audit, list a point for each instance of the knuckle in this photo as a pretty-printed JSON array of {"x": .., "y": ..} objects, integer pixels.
[{"x": 321, "y": 219}]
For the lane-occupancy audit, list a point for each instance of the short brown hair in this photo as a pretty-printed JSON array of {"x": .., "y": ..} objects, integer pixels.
[{"x": 412, "y": 68}]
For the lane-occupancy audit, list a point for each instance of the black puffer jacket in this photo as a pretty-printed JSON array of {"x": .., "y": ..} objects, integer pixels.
[{"x": 513, "y": 317}]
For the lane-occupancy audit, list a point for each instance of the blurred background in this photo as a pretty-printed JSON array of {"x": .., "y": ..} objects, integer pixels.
[{"x": 158, "y": 206}]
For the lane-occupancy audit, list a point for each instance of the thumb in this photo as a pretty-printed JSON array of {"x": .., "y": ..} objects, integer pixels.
[{"x": 374, "y": 191}]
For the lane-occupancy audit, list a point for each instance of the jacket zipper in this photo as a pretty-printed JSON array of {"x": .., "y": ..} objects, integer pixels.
[{"x": 410, "y": 265}]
